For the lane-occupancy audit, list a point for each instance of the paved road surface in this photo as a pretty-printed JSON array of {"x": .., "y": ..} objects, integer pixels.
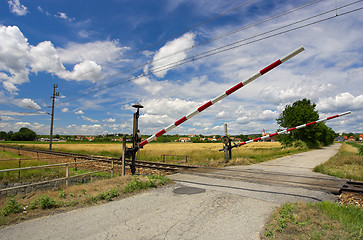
[{"x": 224, "y": 208}]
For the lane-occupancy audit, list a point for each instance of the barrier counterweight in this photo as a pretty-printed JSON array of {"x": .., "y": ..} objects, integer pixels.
[{"x": 223, "y": 95}]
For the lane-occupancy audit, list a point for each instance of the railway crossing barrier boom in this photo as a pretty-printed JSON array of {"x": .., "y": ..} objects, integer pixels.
[
  {"x": 136, "y": 144},
  {"x": 223, "y": 95},
  {"x": 229, "y": 146}
]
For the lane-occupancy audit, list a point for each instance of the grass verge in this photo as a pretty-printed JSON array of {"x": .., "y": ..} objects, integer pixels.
[
  {"x": 322, "y": 220},
  {"x": 40, "y": 203},
  {"x": 347, "y": 164}
]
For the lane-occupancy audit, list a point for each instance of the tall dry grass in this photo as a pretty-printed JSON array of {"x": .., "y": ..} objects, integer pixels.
[
  {"x": 198, "y": 153},
  {"x": 345, "y": 164}
]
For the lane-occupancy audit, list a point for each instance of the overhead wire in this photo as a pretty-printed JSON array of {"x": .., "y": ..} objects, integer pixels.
[
  {"x": 213, "y": 39},
  {"x": 165, "y": 39},
  {"x": 228, "y": 47},
  {"x": 101, "y": 87}
]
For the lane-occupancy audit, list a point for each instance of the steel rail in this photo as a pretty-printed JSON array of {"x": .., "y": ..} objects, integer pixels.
[{"x": 143, "y": 164}]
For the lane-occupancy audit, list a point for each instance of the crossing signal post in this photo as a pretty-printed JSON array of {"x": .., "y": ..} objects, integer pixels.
[
  {"x": 228, "y": 146},
  {"x": 130, "y": 153},
  {"x": 227, "y": 143}
]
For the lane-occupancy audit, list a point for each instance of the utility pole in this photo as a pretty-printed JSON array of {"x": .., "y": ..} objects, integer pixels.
[{"x": 55, "y": 94}]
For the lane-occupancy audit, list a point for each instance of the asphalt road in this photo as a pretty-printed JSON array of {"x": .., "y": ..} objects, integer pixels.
[{"x": 196, "y": 207}]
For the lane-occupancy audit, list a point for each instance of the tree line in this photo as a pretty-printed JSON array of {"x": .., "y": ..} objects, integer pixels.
[
  {"x": 298, "y": 113},
  {"x": 24, "y": 134}
]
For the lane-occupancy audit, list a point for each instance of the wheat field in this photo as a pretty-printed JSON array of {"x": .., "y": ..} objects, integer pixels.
[{"x": 197, "y": 153}]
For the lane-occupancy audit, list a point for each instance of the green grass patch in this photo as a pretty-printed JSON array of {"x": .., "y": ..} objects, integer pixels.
[
  {"x": 42, "y": 174},
  {"x": 21, "y": 207},
  {"x": 347, "y": 164},
  {"x": 322, "y": 220},
  {"x": 153, "y": 181},
  {"x": 43, "y": 202},
  {"x": 11, "y": 207},
  {"x": 357, "y": 145}
]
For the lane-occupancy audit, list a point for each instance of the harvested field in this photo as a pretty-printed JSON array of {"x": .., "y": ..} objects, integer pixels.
[{"x": 197, "y": 153}]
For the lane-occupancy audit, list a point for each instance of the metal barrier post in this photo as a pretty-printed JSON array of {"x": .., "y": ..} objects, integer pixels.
[
  {"x": 67, "y": 175},
  {"x": 75, "y": 164},
  {"x": 123, "y": 155},
  {"x": 112, "y": 169},
  {"x": 19, "y": 167}
]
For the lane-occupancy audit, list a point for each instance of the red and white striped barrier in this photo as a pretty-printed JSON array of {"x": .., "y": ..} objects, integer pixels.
[
  {"x": 293, "y": 128},
  {"x": 223, "y": 95}
]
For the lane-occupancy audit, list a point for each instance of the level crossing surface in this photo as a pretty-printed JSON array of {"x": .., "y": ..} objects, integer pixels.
[{"x": 199, "y": 206}]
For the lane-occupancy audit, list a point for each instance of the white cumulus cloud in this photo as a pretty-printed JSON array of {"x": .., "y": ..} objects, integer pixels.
[
  {"x": 110, "y": 120},
  {"x": 18, "y": 58},
  {"x": 26, "y": 103},
  {"x": 86, "y": 70},
  {"x": 342, "y": 102},
  {"x": 172, "y": 51},
  {"x": 98, "y": 51},
  {"x": 79, "y": 112},
  {"x": 90, "y": 119},
  {"x": 44, "y": 57},
  {"x": 17, "y": 8}
]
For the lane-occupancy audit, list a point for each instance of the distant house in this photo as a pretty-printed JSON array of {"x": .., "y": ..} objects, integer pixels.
[
  {"x": 117, "y": 139},
  {"x": 90, "y": 138},
  {"x": 192, "y": 135},
  {"x": 184, "y": 139},
  {"x": 339, "y": 139},
  {"x": 265, "y": 134},
  {"x": 351, "y": 139},
  {"x": 79, "y": 138},
  {"x": 213, "y": 139},
  {"x": 361, "y": 137}
]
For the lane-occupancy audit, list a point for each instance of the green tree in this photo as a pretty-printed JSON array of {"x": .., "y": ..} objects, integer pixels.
[
  {"x": 3, "y": 135},
  {"x": 24, "y": 134},
  {"x": 301, "y": 112}
]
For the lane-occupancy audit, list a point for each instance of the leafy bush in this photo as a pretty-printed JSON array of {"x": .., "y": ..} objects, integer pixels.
[
  {"x": 43, "y": 202},
  {"x": 47, "y": 202},
  {"x": 299, "y": 144},
  {"x": 61, "y": 193},
  {"x": 137, "y": 184},
  {"x": 12, "y": 206}
]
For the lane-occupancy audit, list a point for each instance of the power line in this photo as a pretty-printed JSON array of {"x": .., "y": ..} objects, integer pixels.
[
  {"x": 214, "y": 39},
  {"x": 230, "y": 47},
  {"x": 167, "y": 38}
]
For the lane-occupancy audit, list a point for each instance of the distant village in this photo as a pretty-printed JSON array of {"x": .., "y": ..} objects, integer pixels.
[{"x": 182, "y": 138}]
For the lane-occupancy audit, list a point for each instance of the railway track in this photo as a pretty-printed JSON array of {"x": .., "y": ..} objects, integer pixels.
[
  {"x": 251, "y": 175},
  {"x": 117, "y": 161},
  {"x": 353, "y": 186}
]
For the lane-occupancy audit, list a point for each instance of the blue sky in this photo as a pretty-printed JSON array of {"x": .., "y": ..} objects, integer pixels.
[{"x": 107, "y": 55}]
